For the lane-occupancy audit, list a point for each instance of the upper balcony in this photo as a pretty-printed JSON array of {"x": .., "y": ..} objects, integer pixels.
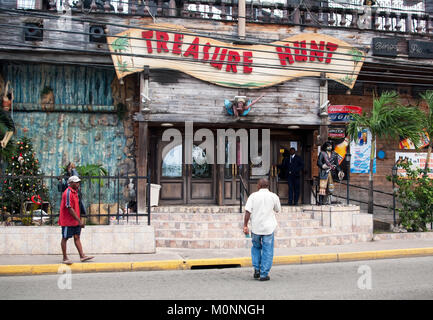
[{"x": 399, "y": 16}]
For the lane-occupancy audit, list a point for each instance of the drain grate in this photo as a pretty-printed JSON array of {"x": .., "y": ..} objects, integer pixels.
[{"x": 215, "y": 266}]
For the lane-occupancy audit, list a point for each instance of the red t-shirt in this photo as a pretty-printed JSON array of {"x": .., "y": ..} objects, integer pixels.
[{"x": 69, "y": 200}]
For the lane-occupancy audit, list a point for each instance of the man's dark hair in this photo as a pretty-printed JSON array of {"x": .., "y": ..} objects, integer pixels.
[{"x": 326, "y": 144}]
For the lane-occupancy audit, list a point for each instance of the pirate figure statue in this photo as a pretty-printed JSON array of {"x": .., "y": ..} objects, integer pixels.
[
  {"x": 328, "y": 166},
  {"x": 240, "y": 107}
]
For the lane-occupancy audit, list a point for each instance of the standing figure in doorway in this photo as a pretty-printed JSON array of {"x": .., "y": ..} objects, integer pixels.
[
  {"x": 292, "y": 167},
  {"x": 328, "y": 165}
]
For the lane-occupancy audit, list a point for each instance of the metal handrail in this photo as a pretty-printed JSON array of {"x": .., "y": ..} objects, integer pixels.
[
  {"x": 352, "y": 199},
  {"x": 241, "y": 192}
]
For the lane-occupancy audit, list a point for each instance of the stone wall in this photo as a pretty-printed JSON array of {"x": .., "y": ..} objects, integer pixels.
[
  {"x": 82, "y": 125},
  {"x": 113, "y": 239}
]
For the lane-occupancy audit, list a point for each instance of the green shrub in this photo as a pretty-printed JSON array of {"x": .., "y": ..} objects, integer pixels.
[{"x": 415, "y": 194}]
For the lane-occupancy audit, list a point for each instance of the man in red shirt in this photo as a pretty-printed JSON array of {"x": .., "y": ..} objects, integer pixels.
[{"x": 70, "y": 220}]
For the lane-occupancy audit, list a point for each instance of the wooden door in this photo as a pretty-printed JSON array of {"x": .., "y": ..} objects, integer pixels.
[
  {"x": 183, "y": 183},
  {"x": 200, "y": 178},
  {"x": 231, "y": 171},
  {"x": 171, "y": 173}
]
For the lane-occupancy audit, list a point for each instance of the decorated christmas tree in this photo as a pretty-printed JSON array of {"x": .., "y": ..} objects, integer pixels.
[{"x": 22, "y": 183}]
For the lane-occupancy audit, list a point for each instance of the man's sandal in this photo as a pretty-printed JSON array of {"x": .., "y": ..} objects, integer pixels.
[{"x": 86, "y": 259}]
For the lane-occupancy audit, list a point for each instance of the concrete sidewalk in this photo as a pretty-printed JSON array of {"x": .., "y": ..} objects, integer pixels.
[{"x": 184, "y": 259}]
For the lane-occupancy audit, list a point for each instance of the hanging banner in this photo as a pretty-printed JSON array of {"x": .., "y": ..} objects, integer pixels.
[
  {"x": 237, "y": 66},
  {"x": 360, "y": 150}
]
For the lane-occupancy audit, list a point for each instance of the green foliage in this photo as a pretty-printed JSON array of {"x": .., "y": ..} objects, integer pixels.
[
  {"x": 415, "y": 194},
  {"x": 389, "y": 119},
  {"x": 92, "y": 170},
  {"x": 15, "y": 191}
]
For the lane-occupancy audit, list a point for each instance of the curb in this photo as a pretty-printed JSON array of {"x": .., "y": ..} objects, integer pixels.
[{"x": 8, "y": 270}]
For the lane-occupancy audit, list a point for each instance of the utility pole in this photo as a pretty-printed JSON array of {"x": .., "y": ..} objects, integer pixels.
[{"x": 241, "y": 19}]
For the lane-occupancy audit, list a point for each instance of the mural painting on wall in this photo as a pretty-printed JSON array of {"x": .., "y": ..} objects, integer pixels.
[{"x": 237, "y": 66}]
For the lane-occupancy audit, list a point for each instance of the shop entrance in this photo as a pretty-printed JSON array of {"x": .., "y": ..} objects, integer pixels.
[
  {"x": 212, "y": 183},
  {"x": 183, "y": 183},
  {"x": 281, "y": 141}
]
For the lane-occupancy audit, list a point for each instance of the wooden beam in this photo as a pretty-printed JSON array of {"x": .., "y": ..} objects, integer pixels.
[
  {"x": 323, "y": 110},
  {"x": 143, "y": 148}
]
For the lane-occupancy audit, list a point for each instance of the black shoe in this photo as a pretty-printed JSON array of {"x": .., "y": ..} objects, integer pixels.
[
  {"x": 265, "y": 278},
  {"x": 256, "y": 274}
]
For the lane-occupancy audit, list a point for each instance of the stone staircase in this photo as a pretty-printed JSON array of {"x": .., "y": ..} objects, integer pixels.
[{"x": 220, "y": 227}]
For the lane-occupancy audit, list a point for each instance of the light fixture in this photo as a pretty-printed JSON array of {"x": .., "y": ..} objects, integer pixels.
[
  {"x": 145, "y": 110},
  {"x": 293, "y": 127},
  {"x": 166, "y": 124},
  {"x": 394, "y": 170}
]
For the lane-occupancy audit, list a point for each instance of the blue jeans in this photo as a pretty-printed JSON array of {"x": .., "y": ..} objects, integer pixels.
[{"x": 262, "y": 253}]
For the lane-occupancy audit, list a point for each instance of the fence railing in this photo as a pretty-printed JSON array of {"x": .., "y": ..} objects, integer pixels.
[
  {"x": 358, "y": 194},
  {"x": 362, "y": 17},
  {"x": 107, "y": 199}
]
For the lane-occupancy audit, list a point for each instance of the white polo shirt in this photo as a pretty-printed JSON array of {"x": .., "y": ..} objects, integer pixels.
[{"x": 262, "y": 205}]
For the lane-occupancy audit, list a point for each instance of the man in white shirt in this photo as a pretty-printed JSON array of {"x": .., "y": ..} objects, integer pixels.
[{"x": 261, "y": 207}]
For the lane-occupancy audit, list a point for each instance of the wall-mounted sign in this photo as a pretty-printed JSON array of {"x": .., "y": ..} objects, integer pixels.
[
  {"x": 385, "y": 47},
  {"x": 417, "y": 160},
  {"x": 237, "y": 66},
  {"x": 336, "y": 133},
  {"x": 342, "y": 113},
  {"x": 420, "y": 49}
]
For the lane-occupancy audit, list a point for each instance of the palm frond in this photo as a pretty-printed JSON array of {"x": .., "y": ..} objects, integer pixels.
[
  {"x": 428, "y": 120},
  {"x": 389, "y": 119}
]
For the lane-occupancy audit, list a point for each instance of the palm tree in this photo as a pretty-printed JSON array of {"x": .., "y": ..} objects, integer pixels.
[
  {"x": 428, "y": 124},
  {"x": 387, "y": 119}
]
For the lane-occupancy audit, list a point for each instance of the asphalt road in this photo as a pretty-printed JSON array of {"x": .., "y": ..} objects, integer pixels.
[{"x": 408, "y": 278}]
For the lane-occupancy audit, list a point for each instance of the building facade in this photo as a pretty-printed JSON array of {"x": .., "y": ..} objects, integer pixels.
[{"x": 103, "y": 61}]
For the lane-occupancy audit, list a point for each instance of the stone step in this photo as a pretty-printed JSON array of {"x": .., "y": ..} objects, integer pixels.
[
  {"x": 234, "y": 233},
  {"x": 218, "y": 209},
  {"x": 222, "y": 217},
  {"x": 206, "y": 225},
  {"x": 283, "y": 242}
]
